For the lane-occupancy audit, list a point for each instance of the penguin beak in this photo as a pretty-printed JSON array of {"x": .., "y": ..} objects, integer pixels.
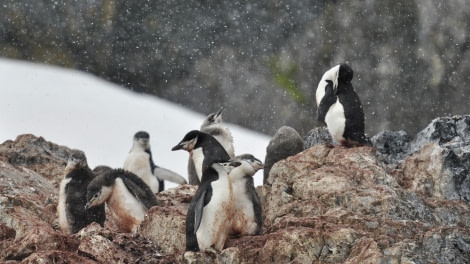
[
  {"x": 87, "y": 206},
  {"x": 186, "y": 145},
  {"x": 177, "y": 147},
  {"x": 219, "y": 113},
  {"x": 258, "y": 165}
]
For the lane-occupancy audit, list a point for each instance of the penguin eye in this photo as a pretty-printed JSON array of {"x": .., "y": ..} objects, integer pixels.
[{"x": 96, "y": 195}]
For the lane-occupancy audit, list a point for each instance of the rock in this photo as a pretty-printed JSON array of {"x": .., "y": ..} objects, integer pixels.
[
  {"x": 166, "y": 227},
  {"x": 317, "y": 136},
  {"x": 392, "y": 147},
  {"x": 36, "y": 154},
  {"x": 392, "y": 203},
  {"x": 285, "y": 143}
]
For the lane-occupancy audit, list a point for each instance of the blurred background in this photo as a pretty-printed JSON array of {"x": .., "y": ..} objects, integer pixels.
[{"x": 260, "y": 60}]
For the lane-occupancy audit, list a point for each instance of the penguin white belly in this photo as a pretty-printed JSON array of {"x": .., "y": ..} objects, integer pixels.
[
  {"x": 336, "y": 121},
  {"x": 127, "y": 211},
  {"x": 216, "y": 216},
  {"x": 139, "y": 164},
  {"x": 198, "y": 157},
  {"x": 62, "y": 207},
  {"x": 244, "y": 219}
]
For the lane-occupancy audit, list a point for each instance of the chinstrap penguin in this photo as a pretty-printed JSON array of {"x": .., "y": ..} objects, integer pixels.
[
  {"x": 203, "y": 149},
  {"x": 209, "y": 217},
  {"x": 285, "y": 143},
  {"x": 127, "y": 196},
  {"x": 340, "y": 107},
  {"x": 71, "y": 210},
  {"x": 140, "y": 161},
  {"x": 213, "y": 126},
  {"x": 247, "y": 208}
]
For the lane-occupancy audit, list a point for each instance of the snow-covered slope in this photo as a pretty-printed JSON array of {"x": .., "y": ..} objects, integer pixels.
[{"x": 78, "y": 110}]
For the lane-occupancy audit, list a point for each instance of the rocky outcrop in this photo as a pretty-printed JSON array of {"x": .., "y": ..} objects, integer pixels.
[{"x": 402, "y": 201}]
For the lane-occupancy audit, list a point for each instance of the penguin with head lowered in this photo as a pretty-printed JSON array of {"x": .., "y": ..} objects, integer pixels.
[
  {"x": 285, "y": 143},
  {"x": 209, "y": 217},
  {"x": 127, "y": 196},
  {"x": 203, "y": 150},
  {"x": 213, "y": 126},
  {"x": 71, "y": 210},
  {"x": 247, "y": 209},
  {"x": 340, "y": 108},
  {"x": 140, "y": 162}
]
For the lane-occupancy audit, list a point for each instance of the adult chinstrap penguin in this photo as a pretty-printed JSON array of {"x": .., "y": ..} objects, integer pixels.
[
  {"x": 203, "y": 149},
  {"x": 285, "y": 143},
  {"x": 71, "y": 210},
  {"x": 209, "y": 217},
  {"x": 213, "y": 126},
  {"x": 247, "y": 208},
  {"x": 127, "y": 196},
  {"x": 340, "y": 107},
  {"x": 140, "y": 162}
]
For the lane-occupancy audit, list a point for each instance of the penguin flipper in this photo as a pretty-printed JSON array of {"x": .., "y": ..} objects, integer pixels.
[
  {"x": 198, "y": 211},
  {"x": 138, "y": 188},
  {"x": 326, "y": 102},
  {"x": 168, "y": 175}
]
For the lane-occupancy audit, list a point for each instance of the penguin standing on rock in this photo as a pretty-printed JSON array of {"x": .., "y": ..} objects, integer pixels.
[
  {"x": 340, "y": 108},
  {"x": 209, "y": 217},
  {"x": 127, "y": 196},
  {"x": 139, "y": 161},
  {"x": 247, "y": 214},
  {"x": 203, "y": 150},
  {"x": 212, "y": 125},
  {"x": 73, "y": 215}
]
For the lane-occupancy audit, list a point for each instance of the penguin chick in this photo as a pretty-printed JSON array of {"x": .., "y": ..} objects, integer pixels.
[
  {"x": 127, "y": 196},
  {"x": 209, "y": 217},
  {"x": 213, "y": 126},
  {"x": 285, "y": 143},
  {"x": 140, "y": 162},
  {"x": 247, "y": 213},
  {"x": 340, "y": 107},
  {"x": 203, "y": 150},
  {"x": 71, "y": 210}
]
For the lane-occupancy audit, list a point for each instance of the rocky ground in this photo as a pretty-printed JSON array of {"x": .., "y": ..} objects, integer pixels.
[{"x": 403, "y": 201}]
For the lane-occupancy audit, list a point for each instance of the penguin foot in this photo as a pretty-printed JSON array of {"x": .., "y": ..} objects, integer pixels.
[{"x": 211, "y": 250}]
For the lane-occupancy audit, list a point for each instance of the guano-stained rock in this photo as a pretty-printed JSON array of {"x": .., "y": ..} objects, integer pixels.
[{"x": 402, "y": 203}]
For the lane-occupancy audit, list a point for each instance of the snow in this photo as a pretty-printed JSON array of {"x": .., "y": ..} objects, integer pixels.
[{"x": 78, "y": 110}]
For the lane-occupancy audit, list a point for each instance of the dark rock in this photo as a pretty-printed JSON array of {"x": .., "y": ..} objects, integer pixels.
[
  {"x": 317, "y": 136},
  {"x": 392, "y": 147}
]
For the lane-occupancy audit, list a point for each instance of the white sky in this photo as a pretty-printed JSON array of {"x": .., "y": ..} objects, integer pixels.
[{"x": 79, "y": 110}]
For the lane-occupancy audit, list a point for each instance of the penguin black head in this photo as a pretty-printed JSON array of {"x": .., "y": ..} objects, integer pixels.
[
  {"x": 77, "y": 159},
  {"x": 189, "y": 141},
  {"x": 99, "y": 189},
  {"x": 345, "y": 73},
  {"x": 101, "y": 169}
]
